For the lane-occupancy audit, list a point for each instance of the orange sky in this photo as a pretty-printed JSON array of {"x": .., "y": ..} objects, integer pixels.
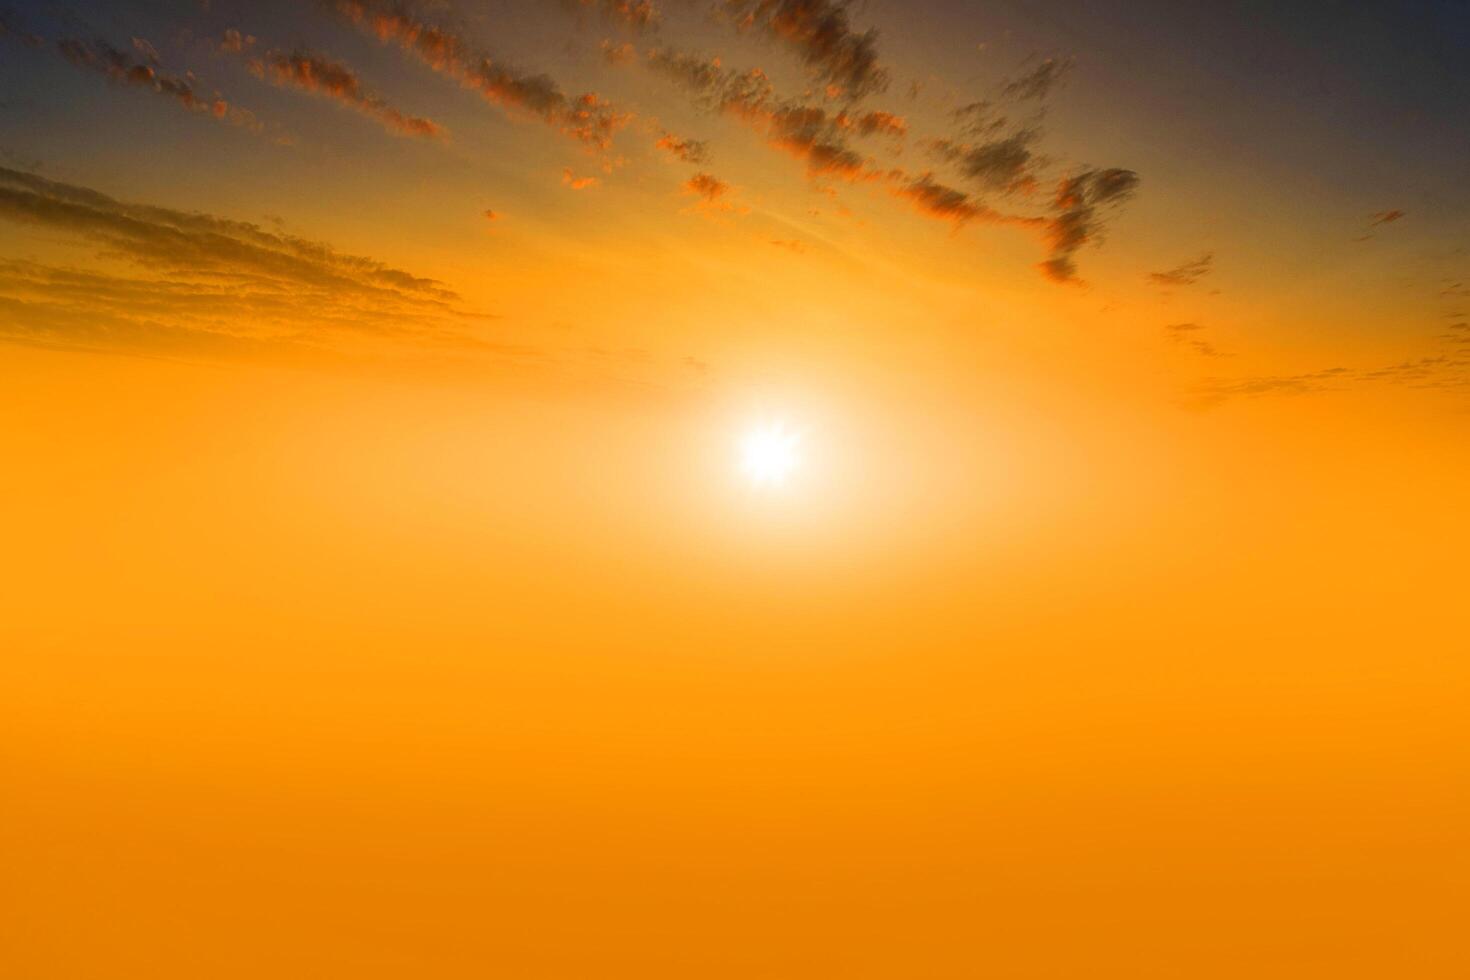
[{"x": 383, "y": 596}]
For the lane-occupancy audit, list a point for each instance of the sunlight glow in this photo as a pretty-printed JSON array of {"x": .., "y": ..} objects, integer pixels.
[{"x": 769, "y": 453}]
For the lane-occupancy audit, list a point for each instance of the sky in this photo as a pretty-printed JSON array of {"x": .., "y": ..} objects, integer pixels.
[{"x": 387, "y": 591}]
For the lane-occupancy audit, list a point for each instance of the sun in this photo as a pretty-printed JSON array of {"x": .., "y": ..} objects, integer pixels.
[{"x": 769, "y": 454}]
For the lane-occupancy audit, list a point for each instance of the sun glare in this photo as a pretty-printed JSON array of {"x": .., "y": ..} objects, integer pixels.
[{"x": 769, "y": 454}]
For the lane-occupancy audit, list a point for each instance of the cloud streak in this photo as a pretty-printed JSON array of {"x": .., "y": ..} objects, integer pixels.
[
  {"x": 199, "y": 273},
  {"x": 1185, "y": 274},
  {"x": 319, "y": 75},
  {"x": 1188, "y": 335},
  {"x": 124, "y": 69},
  {"x": 587, "y": 118},
  {"x": 1039, "y": 82}
]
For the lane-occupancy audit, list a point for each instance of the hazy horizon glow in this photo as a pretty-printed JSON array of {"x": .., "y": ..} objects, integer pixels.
[{"x": 734, "y": 489}]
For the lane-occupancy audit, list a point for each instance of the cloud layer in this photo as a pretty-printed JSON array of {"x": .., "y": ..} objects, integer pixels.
[{"x": 193, "y": 273}]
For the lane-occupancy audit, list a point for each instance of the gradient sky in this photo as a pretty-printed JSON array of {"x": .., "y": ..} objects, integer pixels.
[{"x": 383, "y": 597}]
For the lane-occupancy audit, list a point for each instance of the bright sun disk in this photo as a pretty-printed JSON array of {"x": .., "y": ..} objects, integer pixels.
[{"x": 769, "y": 454}]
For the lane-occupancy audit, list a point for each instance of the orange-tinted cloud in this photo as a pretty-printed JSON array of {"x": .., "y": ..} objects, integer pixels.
[
  {"x": 946, "y": 203},
  {"x": 576, "y": 183},
  {"x": 706, "y": 186},
  {"x": 714, "y": 195},
  {"x": 882, "y": 123},
  {"x": 586, "y": 118},
  {"x": 236, "y": 43},
  {"x": 320, "y": 75},
  {"x": 1385, "y": 217},
  {"x": 637, "y": 14},
  {"x": 688, "y": 150},
  {"x": 619, "y": 54}
]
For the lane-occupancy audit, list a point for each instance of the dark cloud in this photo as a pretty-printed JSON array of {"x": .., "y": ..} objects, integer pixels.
[
  {"x": 322, "y": 76},
  {"x": 1385, "y": 217},
  {"x": 807, "y": 132},
  {"x": 819, "y": 31},
  {"x": 1186, "y": 274},
  {"x": 1079, "y": 210},
  {"x": 1004, "y": 166},
  {"x": 586, "y": 118},
  {"x": 1039, "y": 82},
  {"x": 938, "y": 201}
]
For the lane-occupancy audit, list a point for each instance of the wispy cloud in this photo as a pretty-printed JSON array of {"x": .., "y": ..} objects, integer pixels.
[
  {"x": 820, "y": 140},
  {"x": 587, "y": 118},
  {"x": 1038, "y": 82},
  {"x": 9, "y": 30},
  {"x": 875, "y": 122},
  {"x": 320, "y": 75},
  {"x": 130, "y": 70},
  {"x": 806, "y": 132},
  {"x": 1447, "y": 370},
  {"x": 1185, "y": 274},
  {"x": 1188, "y": 335}
]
